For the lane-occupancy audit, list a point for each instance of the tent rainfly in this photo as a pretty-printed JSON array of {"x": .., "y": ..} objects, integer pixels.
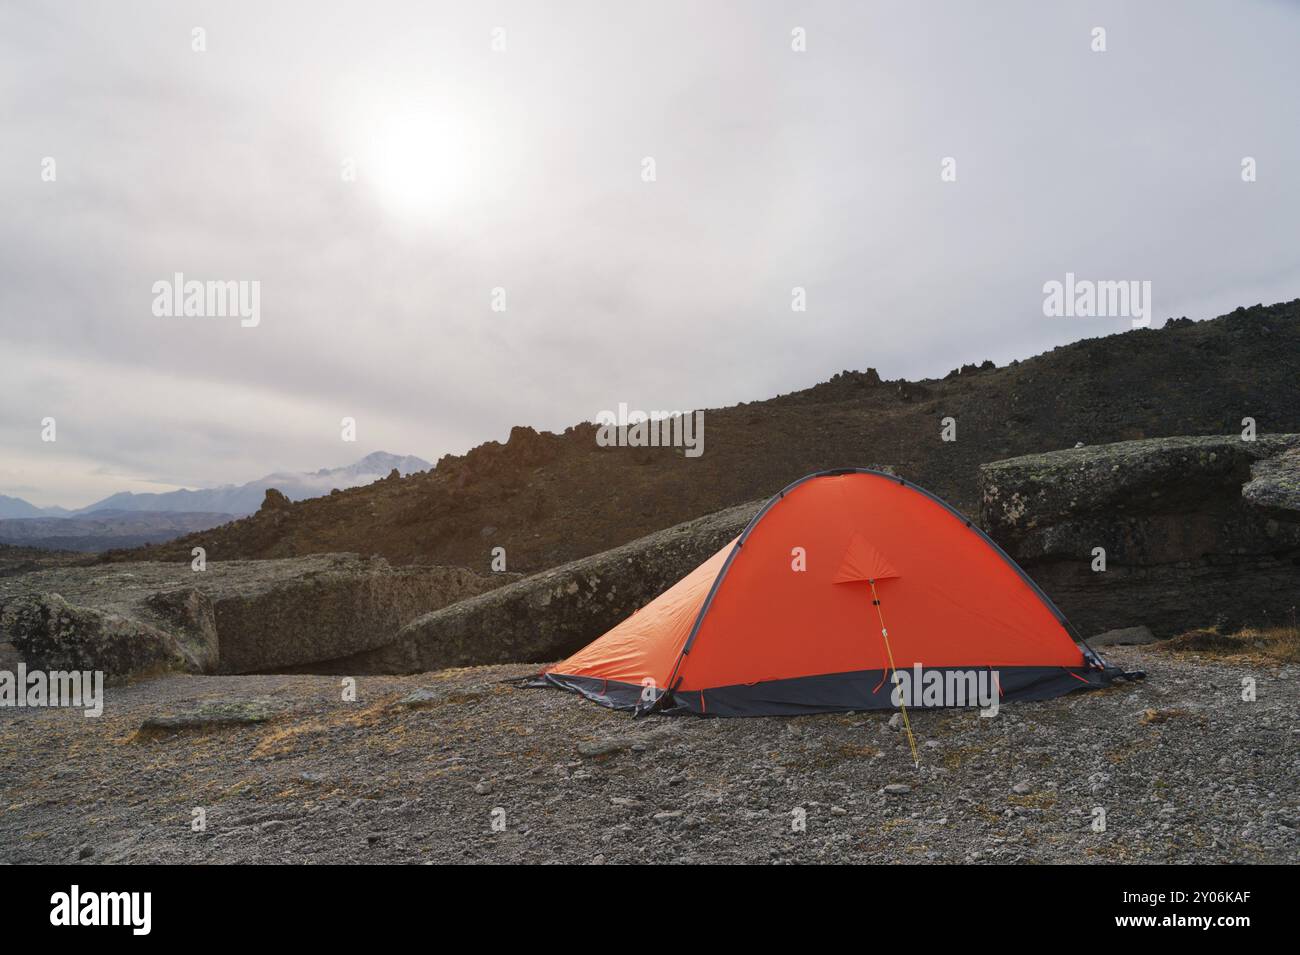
[{"x": 852, "y": 589}]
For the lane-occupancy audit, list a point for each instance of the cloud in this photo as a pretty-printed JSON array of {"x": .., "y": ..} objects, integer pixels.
[{"x": 775, "y": 169}]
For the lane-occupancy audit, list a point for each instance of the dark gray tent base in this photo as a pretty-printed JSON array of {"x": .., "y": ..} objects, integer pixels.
[{"x": 828, "y": 693}]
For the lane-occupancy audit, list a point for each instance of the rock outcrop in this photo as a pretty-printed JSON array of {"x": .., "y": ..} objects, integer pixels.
[
  {"x": 1197, "y": 531},
  {"x": 551, "y": 614},
  {"x": 49, "y": 633},
  {"x": 233, "y": 617}
]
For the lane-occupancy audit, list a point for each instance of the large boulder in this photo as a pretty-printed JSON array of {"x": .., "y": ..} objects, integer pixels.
[
  {"x": 331, "y": 613},
  {"x": 50, "y": 634},
  {"x": 1197, "y": 531},
  {"x": 551, "y": 614},
  {"x": 232, "y": 617}
]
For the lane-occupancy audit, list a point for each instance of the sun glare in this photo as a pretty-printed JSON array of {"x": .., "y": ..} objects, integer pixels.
[{"x": 421, "y": 163}]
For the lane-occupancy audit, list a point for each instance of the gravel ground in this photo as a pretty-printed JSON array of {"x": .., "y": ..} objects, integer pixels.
[{"x": 286, "y": 772}]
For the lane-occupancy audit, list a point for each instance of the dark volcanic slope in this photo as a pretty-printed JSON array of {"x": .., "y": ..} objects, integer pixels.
[{"x": 550, "y": 498}]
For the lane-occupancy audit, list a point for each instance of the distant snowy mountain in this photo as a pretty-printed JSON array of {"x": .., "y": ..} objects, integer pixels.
[{"x": 241, "y": 499}]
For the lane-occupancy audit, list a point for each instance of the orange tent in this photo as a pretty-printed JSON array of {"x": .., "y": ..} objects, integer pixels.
[{"x": 803, "y": 611}]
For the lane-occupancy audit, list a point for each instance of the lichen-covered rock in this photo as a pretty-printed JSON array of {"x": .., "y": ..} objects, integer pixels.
[
  {"x": 1130, "y": 477},
  {"x": 193, "y": 624},
  {"x": 331, "y": 613},
  {"x": 549, "y": 615},
  {"x": 1274, "y": 485},
  {"x": 1193, "y": 531},
  {"x": 50, "y": 634},
  {"x": 232, "y": 617},
  {"x": 206, "y": 716}
]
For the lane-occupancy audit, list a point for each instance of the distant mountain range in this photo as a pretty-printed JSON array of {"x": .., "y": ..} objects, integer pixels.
[
  {"x": 243, "y": 499},
  {"x": 127, "y": 518},
  {"x": 16, "y": 507}
]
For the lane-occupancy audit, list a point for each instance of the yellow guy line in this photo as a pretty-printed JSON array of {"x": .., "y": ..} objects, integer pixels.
[{"x": 884, "y": 632}]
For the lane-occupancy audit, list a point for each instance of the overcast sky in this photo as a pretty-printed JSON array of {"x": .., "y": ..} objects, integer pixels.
[{"x": 522, "y": 169}]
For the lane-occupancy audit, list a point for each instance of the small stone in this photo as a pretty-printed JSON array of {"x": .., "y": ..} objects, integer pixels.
[
  {"x": 85, "y": 852},
  {"x": 422, "y": 697},
  {"x": 482, "y": 787},
  {"x": 600, "y": 747},
  {"x": 206, "y": 717},
  {"x": 426, "y": 696},
  {"x": 839, "y": 811},
  {"x": 898, "y": 789},
  {"x": 895, "y": 721},
  {"x": 1021, "y": 788},
  {"x": 668, "y": 815}
]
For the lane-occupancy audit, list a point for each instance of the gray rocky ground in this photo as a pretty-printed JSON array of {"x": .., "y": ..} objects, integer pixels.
[{"x": 414, "y": 769}]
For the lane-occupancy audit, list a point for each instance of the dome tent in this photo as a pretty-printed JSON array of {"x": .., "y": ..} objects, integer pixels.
[{"x": 847, "y": 590}]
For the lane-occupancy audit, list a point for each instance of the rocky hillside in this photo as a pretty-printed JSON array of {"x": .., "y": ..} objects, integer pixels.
[{"x": 551, "y": 498}]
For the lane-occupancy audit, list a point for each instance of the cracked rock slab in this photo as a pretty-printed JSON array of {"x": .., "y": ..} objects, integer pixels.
[
  {"x": 295, "y": 614},
  {"x": 551, "y": 614},
  {"x": 1181, "y": 532}
]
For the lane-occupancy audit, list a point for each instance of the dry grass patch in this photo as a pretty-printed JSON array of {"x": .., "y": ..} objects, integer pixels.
[
  {"x": 1038, "y": 800},
  {"x": 285, "y": 740},
  {"x": 854, "y": 750},
  {"x": 1281, "y": 644},
  {"x": 1151, "y": 717},
  {"x": 954, "y": 758}
]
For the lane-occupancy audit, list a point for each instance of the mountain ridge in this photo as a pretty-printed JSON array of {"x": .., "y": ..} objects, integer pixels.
[
  {"x": 549, "y": 498},
  {"x": 234, "y": 500}
]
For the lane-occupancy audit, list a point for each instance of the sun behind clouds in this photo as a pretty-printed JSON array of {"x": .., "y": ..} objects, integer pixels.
[{"x": 421, "y": 162}]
